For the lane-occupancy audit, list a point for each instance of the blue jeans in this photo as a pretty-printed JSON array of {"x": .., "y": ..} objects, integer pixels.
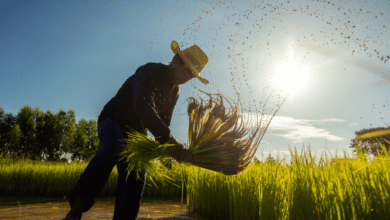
[{"x": 128, "y": 194}]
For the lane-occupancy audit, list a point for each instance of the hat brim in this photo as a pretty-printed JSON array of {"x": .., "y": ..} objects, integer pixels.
[{"x": 203, "y": 80}]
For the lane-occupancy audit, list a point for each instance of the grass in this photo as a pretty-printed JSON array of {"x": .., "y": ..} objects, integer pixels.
[
  {"x": 39, "y": 179},
  {"x": 301, "y": 190}
]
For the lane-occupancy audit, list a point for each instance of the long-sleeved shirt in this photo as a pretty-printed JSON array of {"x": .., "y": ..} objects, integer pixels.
[{"x": 145, "y": 102}]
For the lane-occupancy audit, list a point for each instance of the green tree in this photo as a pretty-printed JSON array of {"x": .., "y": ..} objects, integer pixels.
[
  {"x": 68, "y": 133},
  {"x": 48, "y": 132},
  {"x": 3, "y": 132},
  {"x": 91, "y": 132},
  {"x": 7, "y": 121},
  {"x": 34, "y": 133},
  {"x": 14, "y": 138},
  {"x": 81, "y": 142},
  {"x": 42, "y": 133},
  {"x": 26, "y": 118},
  {"x": 370, "y": 144},
  {"x": 87, "y": 140}
]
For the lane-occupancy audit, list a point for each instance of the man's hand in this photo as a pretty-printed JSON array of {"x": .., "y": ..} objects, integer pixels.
[{"x": 178, "y": 152}]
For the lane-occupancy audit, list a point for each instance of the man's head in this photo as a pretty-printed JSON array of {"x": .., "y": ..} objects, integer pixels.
[{"x": 179, "y": 71}]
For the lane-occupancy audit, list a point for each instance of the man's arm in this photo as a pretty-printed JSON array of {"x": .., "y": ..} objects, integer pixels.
[
  {"x": 167, "y": 115},
  {"x": 145, "y": 108}
]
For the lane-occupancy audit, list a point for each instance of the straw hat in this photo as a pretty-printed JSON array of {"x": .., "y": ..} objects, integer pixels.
[{"x": 194, "y": 58}]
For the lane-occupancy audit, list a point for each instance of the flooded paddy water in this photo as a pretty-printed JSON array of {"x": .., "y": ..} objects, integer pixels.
[{"x": 55, "y": 208}]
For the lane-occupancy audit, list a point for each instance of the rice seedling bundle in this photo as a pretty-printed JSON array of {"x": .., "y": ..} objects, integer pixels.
[{"x": 216, "y": 141}]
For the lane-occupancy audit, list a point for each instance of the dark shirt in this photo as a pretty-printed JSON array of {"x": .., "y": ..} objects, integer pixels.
[{"x": 145, "y": 102}]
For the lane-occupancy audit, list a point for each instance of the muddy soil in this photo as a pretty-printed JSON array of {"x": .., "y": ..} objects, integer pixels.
[{"x": 54, "y": 208}]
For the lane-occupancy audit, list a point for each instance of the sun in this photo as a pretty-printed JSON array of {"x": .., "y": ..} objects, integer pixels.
[{"x": 291, "y": 77}]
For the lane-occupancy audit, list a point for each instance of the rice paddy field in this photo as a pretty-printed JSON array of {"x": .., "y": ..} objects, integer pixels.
[{"x": 355, "y": 189}]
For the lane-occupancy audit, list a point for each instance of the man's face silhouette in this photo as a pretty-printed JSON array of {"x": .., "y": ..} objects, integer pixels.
[{"x": 183, "y": 74}]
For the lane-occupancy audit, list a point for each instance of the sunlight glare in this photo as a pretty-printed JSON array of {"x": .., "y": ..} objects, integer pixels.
[{"x": 291, "y": 76}]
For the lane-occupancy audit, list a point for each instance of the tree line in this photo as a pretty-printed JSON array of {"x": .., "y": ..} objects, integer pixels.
[{"x": 33, "y": 132}]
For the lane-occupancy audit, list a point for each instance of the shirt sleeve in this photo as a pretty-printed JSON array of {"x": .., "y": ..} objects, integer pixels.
[{"x": 144, "y": 107}]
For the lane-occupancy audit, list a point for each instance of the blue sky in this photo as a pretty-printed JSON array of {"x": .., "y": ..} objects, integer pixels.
[{"x": 76, "y": 55}]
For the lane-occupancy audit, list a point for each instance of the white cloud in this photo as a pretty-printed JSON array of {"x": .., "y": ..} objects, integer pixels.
[{"x": 296, "y": 129}]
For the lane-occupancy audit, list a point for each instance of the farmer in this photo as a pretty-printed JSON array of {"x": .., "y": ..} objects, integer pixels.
[{"x": 144, "y": 102}]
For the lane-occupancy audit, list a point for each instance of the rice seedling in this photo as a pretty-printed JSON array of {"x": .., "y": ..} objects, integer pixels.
[
  {"x": 300, "y": 190},
  {"x": 216, "y": 141},
  {"x": 141, "y": 153}
]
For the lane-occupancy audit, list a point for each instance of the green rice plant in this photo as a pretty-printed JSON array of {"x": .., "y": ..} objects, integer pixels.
[
  {"x": 142, "y": 154},
  {"x": 216, "y": 141},
  {"x": 23, "y": 178},
  {"x": 300, "y": 190}
]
